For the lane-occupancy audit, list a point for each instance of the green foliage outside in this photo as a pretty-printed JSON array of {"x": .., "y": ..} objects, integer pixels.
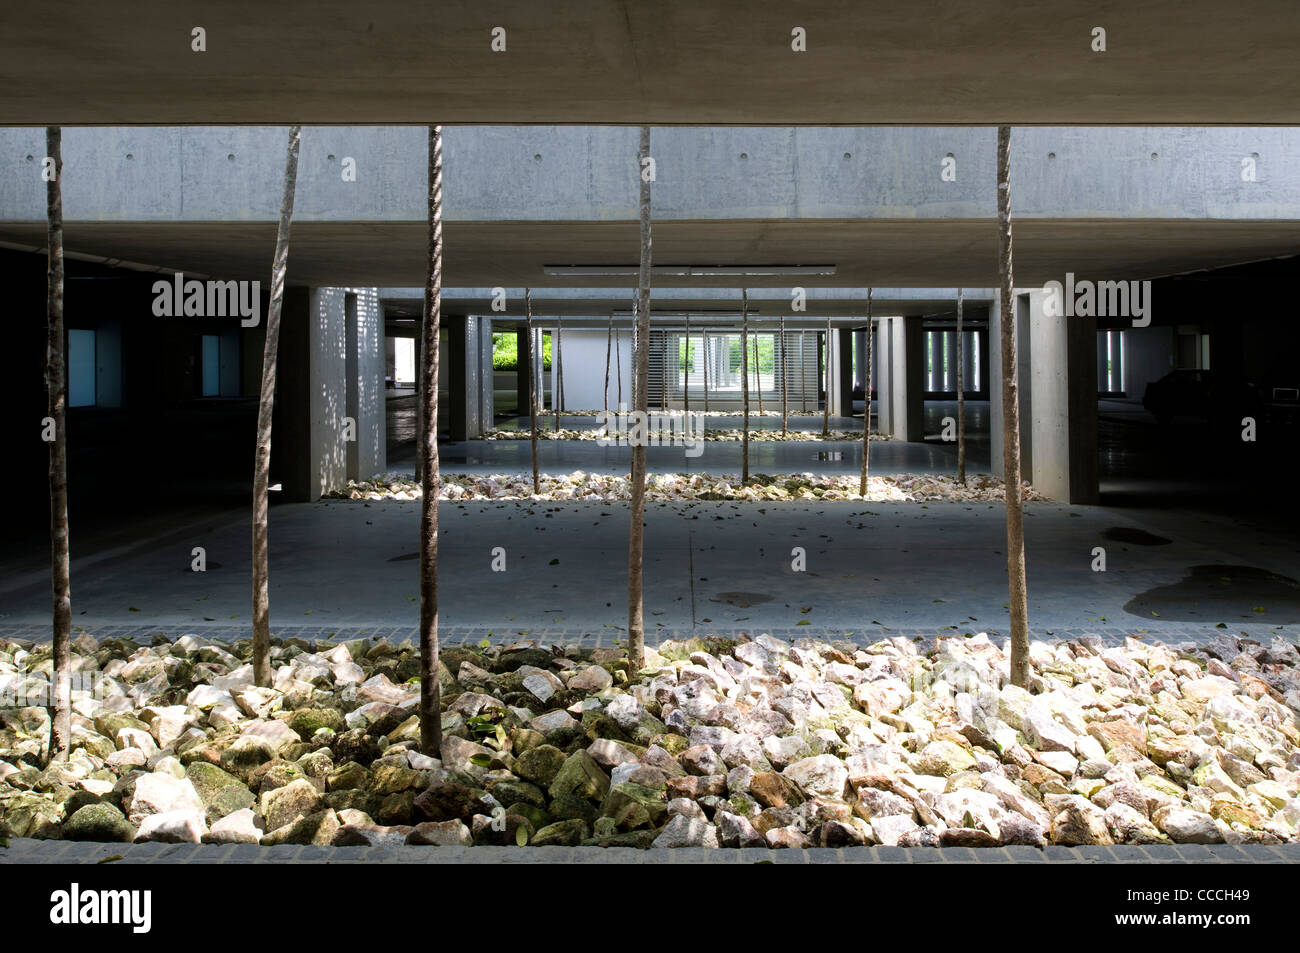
[
  {"x": 766, "y": 346},
  {"x": 505, "y": 351}
]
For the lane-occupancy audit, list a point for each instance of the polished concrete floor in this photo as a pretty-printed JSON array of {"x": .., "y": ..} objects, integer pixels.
[
  {"x": 510, "y": 456},
  {"x": 898, "y": 565},
  {"x": 1196, "y": 535}
]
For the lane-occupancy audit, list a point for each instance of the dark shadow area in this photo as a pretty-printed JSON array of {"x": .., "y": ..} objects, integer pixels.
[{"x": 1222, "y": 593}]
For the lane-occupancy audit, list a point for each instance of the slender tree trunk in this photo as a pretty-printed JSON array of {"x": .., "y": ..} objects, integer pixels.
[
  {"x": 961, "y": 397},
  {"x": 265, "y": 411},
  {"x": 618, "y": 367},
  {"x": 532, "y": 385},
  {"x": 56, "y": 400},
  {"x": 636, "y": 538},
  {"x": 744, "y": 384},
  {"x": 866, "y": 412},
  {"x": 686, "y": 374},
  {"x": 785, "y": 383},
  {"x": 1011, "y": 424},
  {"x": 609, "y": 340},
  {"x": 431, "y": 482},
  {"x": 557, "y": 371},
  {"x": 826, "y": 408}
]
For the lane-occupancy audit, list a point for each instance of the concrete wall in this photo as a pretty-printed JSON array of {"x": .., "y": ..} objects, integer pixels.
[
  {"x": 582, "y": 357},
  {"x": 1148, "y": 356},
  {"x": 587, "y": 173}
]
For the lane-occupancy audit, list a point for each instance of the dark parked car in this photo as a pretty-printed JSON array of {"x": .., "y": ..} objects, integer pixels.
[
  {"x": 1182, "y": 393},
  {"x": 1194, "y": 393}
]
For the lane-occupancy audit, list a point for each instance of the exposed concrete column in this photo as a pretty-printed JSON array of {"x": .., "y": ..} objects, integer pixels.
[
  {"x": 330, "y": 369},
  {"x": 968, "y": 358},
  {"x": 843, "y": 405},
  {"x": 465, "y": 376},
  {"x": 521, "y": 371},
  {"x": 1064, "y": 422},
  {"x": 907, "y": 354},
  {"x": 859, "y": 349},
  {"x": 486, "y": 379},
  {"x": 950, "y": 360},
  {"x": 985, "y": 380},
  {"x": 882, "y": 353}
]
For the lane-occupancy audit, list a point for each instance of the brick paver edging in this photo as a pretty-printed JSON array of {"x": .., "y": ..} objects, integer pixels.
[{"x": 27, "y": 851}]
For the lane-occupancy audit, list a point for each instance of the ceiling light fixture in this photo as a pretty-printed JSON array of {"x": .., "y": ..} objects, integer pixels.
[{"x": 687, "y": 271}]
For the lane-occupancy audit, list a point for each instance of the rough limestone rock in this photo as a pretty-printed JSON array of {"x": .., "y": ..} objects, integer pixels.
[
  {"x": 1187, "y": 827},
  {"x": 99, "y": 822},
  {"x": 237, "y": 828},
  {"x": 452, "y": 833},
  {"x": 580, "y": 775},
  {"x": 173, "y": 827},
  {"x": 823, "y": 775},
  {"x": 944, "y": 758},
  {"x": 282, "y": 805},
  {"x": 687, "y": 832},
  {"x": 160, "y": 793}
]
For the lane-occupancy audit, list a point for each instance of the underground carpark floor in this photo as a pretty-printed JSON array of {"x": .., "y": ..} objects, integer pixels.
[{"x": 717, "y": 565}]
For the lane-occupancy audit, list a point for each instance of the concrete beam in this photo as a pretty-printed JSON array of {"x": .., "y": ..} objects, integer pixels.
[{"x": 579, "y": 61}]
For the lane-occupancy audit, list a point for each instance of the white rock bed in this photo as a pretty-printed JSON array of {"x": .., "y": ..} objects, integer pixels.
[
  {"x": 766, "y": 745},
  {"x": 678, "y": 487},
  {"x": 722, "y": 435}
]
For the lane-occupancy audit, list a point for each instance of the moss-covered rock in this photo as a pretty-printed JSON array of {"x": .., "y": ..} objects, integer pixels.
[
  {"x": 561, "y": 834},
  {"x": 309, "y": 720},
  {"x": 540, "y": 764},
  {"x": 582, "y": 777},
  {"x": 99, "y": 822}
]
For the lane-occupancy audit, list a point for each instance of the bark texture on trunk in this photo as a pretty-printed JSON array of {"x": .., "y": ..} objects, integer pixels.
[
  {"x": 826, "y": 408},
  {"x": 56, "y": 402},
  {"x": 557, "y": 371},
  {"x": 961, "y": 397},
  {"x": 785, "y": 383},
  {"x": 430, "y": 482},
  {"x": 532, "y": 385},
  {"x": 744, "y": 384},
  {"x": 866, "y": 412},
  {"x": 609, "y": 340},
  {"x": 641, "y": 380},
  {"x": 1011, "y": 425},
  {"x": 265, "y": 413}
]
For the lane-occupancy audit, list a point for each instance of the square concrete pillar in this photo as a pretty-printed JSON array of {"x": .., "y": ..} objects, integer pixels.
[
  {"x": 884, "y": 376},
  {"x": 843, "y": 405},
  {"x": 1063, "y": 385},
  {"x": 521, "y": 371},
  {"x": 465, "y": 376},
  {"x": 330, "y": 421},
  {"x": 985, "y": 378},
  {"x": 907, "y": 378}
]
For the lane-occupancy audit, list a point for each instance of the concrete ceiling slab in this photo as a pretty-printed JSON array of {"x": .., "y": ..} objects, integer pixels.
[
  {"x": 902, "y": 254},
  {"x": 665, "y": 62}
]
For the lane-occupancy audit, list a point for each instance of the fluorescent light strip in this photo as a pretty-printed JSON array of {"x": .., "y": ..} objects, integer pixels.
[{"x": 687, "y": 271}]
